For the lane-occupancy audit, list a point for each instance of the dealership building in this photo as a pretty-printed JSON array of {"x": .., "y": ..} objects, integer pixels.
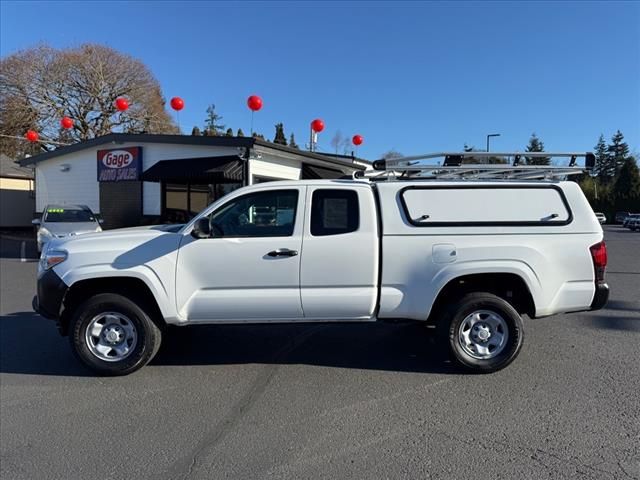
[
  {"x": 17, "y": 195},
  {"x": 133, "y": 179}
]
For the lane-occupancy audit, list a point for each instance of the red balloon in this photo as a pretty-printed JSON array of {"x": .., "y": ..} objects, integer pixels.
[
  {"x": 66, "y": 122},
  {"x": 177, "y": 103},
  {"x": 317, "y": 125},
  {"x": 122, "y": 104},
  {"x": 32, "y": 136},
  {"x": 357, "y": 139},
  {"x": 254, "y": 102}
]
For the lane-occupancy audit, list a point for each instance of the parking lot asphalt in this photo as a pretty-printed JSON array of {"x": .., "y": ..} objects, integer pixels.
[{"x": 326, "y": 401}]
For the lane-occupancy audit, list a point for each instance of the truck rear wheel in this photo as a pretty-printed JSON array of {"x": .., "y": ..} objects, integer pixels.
[
  {"x": 112, "y": 335},
  {"x": 485, "y": 332}
]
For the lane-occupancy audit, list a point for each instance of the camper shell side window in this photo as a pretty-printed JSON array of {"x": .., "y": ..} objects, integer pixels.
[{"x": 485, "y": 205}]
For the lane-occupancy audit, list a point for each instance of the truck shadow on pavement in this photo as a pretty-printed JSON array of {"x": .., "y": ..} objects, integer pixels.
[
  {"x": 614, "y": 323},
  {"x": 406, "y": 347},
  {"x": 31, "y": 345},
  {"x": 615, "y": 316}
]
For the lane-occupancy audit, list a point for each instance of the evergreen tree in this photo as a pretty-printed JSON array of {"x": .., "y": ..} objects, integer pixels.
[
  {"x": 618, "y": 153},
  {"x": 213, "y": 122},
  {"x": 536, "y": 145},
  {"x": 482, "y": 160},
  {"x": 495, "y": 160},
  {"x": 292, "y": 142},
  {"x": 598, "y": 194},
  {"x": 195, "y": 132},
  {"x": 470, "y": 148},
  {"x": 602, "y": 156},
  {"x": 240, "y": 133},
  {"x": 280, "y": 138},
  {"x": 626, "y": 188},
  {"x": 229, "y": 133}
]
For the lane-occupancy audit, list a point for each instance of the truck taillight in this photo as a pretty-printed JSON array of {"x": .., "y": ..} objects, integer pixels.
[{"x": 599, "y": 256}]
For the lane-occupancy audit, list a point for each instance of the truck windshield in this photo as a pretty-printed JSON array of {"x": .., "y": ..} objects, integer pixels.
[{"x": 68, "y": 215}]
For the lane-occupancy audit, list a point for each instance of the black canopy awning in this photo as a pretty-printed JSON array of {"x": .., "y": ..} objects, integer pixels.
[
  {"x": 226, "y": 169},
  {"x": 312, "y": 172}
]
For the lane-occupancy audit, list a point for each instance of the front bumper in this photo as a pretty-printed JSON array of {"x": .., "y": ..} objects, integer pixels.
[
  {"x": 601, "y": 296},
  {"x": 51, "y": 291}
]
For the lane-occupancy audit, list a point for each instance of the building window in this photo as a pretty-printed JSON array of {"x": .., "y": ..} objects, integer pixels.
[
  {"x": 176, "y": 203},
  {"x": 182, "y": 201},
  {"x": 334, "y": 212},
  {"x": 199, "y": 197}
]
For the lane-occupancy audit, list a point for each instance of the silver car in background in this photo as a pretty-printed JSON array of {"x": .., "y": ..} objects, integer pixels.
[
  {"x": 59, "y": 221},
  {"x": 628, "y": 218}
]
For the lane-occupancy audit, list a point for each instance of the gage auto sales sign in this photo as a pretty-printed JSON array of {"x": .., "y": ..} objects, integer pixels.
[{"x": 120, "y": 164}]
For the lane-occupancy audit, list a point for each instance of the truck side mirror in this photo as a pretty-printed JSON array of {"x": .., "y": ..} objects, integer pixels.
[
  {"x": 201, "y": 229},
  {"x": 35, "y": 221}
]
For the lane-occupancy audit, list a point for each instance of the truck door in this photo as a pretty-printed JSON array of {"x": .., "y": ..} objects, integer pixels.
[
  {"x": 250, "y": 270},
  {"x": 339, "y": 269}
]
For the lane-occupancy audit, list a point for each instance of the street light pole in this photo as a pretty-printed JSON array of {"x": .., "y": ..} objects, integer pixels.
[{"x": 489, "y": 136}]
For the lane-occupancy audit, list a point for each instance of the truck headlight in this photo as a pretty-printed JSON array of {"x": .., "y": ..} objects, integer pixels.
[{"x": 51, "y": 258}]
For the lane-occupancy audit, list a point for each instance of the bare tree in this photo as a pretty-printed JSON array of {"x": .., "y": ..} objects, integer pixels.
[
  {"x": 346, "y": 146},
  {"x": 340, "y": 142},
  {"x": 40, "y": 85},
  {"x": 337, "y": 141},
  {"x": 391, "y": 154}
]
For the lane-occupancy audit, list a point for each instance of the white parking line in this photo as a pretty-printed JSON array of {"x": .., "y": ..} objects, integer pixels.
[{"x": 23, "y": 251}]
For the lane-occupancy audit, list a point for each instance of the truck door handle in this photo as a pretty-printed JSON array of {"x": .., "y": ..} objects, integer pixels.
[{"x": 282, "y": 252}]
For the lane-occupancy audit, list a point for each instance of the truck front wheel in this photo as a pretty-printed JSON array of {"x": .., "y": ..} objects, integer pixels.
[
  {"x": 112, "y": 335},
  {"x": 485, "y": 332}
]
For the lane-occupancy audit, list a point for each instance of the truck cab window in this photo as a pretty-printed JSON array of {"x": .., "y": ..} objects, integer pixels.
[
  {"x": 334, "y": 212},
  {"x": 263, "y": 214}
]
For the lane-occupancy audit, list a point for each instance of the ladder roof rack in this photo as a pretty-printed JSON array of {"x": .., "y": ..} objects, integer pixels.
[{"x": 452, "y": 166}]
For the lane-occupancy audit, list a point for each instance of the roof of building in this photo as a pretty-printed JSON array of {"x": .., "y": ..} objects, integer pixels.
[
  {"x": 338, "y": 155},
  {"x": 9, "y": 168},
  {"x": 219, "y": 141}
]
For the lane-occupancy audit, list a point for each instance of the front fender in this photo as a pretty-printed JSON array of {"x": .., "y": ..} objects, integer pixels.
[{"x": 161, "y": 292}]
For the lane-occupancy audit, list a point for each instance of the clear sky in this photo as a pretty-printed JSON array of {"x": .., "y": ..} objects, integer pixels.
[{"x": 415, "y": 77}]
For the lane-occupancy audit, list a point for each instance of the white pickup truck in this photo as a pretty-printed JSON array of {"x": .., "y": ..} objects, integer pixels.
[{"x": 467, "y": 254}]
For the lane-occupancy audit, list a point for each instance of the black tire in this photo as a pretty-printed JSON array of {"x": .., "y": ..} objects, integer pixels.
[
  {"x": 473, "y": 302},
  {"x": 148, "y": 335}
]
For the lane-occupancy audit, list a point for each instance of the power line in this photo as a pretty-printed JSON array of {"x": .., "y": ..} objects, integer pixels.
[{"x": 38, "y": 140}]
